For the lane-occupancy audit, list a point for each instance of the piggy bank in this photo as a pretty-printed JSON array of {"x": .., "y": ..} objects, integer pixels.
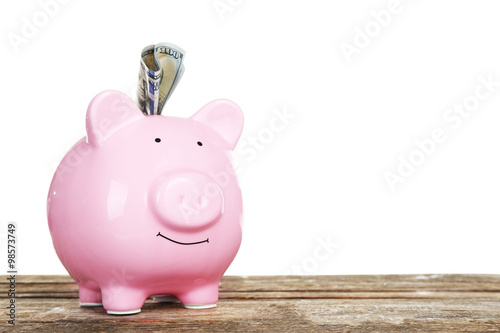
[{"x": 148, "y": 206}]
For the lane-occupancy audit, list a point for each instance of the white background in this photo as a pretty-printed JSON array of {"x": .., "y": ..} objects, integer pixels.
[{"x": 321, "y": 179}]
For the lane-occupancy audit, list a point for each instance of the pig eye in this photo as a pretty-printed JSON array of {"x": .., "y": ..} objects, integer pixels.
[
  {"x": 200, "y": 144},
  {"x": 158, "y": 140}
]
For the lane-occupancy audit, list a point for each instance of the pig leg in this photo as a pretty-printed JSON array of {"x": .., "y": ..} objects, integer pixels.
[
  {"x": 89, "y": 293},
  {"x": 119, "y": 300},
  {"x": 201, "y": 297}
]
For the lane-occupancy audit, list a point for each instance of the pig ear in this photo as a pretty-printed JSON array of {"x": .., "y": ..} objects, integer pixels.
[
  {"x": 107, "y": 113},
  {"x": 224, "y": 117}
]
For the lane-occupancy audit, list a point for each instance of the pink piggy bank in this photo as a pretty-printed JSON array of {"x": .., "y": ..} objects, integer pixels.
[{"x": 148, "y": 205}]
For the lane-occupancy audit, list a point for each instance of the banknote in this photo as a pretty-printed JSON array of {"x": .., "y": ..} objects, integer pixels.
[
  {"x": 160, "y": 71},
  {"x": 149, "y": 82}
]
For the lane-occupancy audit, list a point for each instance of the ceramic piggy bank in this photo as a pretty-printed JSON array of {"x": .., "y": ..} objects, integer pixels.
[{"x": 148, "y": 205}]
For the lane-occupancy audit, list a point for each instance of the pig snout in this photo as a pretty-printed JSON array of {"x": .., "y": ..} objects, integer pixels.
[{"x": 187, "y": 200}]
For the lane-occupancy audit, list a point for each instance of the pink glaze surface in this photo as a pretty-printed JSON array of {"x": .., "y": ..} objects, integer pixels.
[{"x": 148, "y": 205}]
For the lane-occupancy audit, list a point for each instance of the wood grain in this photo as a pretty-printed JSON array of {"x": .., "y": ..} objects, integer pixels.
[{"x": 373, "y": 303}]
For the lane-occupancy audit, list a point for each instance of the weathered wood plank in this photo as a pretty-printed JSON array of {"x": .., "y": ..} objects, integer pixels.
[
  {"x": 322, "y": 282},
  {"x": 424, "y": 294},
  {"x": 309, "y": 315},
  {"x": 432, "y": 303},
  {"x": 422, "y": 286}
]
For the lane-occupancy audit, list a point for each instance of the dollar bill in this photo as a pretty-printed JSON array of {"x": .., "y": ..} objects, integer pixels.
[
  {"x": 149, "y": 82},
  {"x": 160, "y": 71}
]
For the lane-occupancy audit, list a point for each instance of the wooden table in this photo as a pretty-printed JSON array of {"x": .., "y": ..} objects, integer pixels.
[{"x": 373, "y": 303}]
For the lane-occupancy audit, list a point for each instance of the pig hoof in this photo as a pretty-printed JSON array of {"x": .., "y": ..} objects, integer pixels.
[
  {"x": 90, "y": 304},
  {"x": 166, "y": 299},
  {"x": 200, "y": 306},
  {"x": 122, "y": 313}
]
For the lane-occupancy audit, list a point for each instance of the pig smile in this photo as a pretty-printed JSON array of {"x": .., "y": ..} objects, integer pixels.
[{"x": 203, "y": 241}]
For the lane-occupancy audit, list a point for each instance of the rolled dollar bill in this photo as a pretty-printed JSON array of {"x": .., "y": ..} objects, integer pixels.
[
  {"x": 160, "y": 71},
  {"x": 170, "y": 58},
  {"x": 149, "y": 82}
]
